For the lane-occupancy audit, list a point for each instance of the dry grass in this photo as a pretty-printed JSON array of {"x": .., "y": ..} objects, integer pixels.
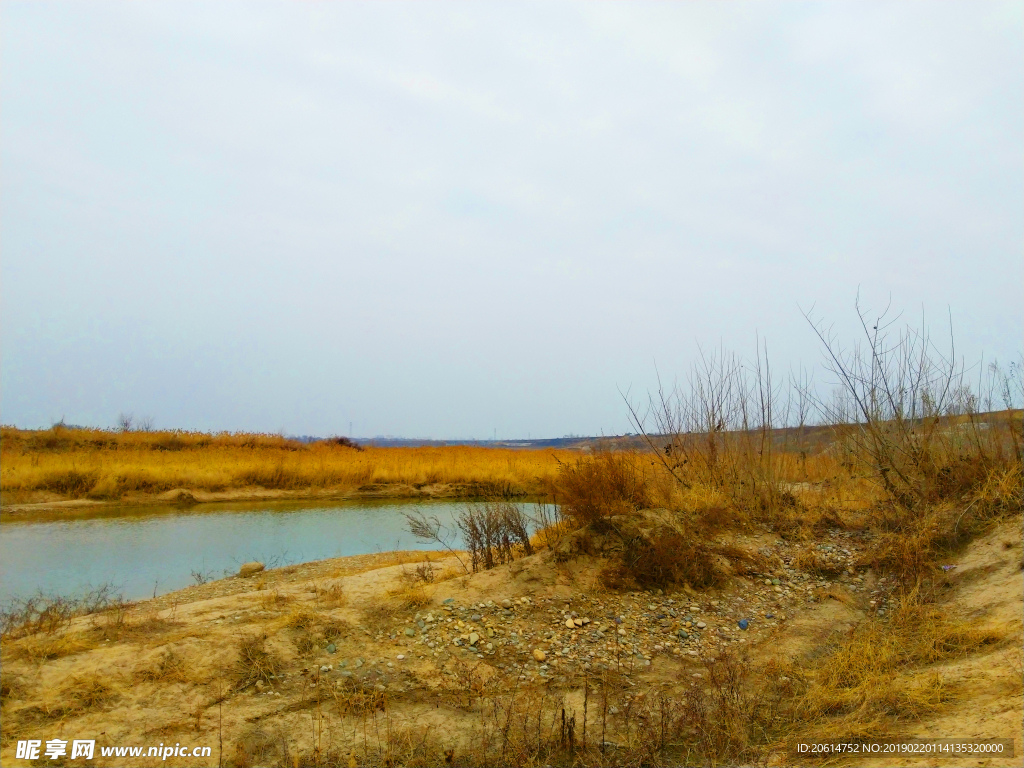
[
  {"x": 107, "y": 465},
  {"x": 254, "y": 662},
  {"x": 170, "y": 667},
  {"x": 411, "y": 596},
  {"x": 79, "y": 694},
  {"x": 880, "y": 673}
]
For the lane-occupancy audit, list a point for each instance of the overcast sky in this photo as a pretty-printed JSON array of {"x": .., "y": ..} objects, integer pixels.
[{"x": 466, "y": 219}]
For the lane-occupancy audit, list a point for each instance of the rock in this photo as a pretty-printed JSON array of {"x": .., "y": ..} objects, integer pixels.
[
  {"x": 695, "y": 608},
  {"x": 539, "y": 655},
  {"x": 701, "y": 625},
  {"x": 448, "y": 600},
  {"x": 743, "y": 624},
  {"x": 325, "y": 668},
  {"x": 475, "y": 617},
  {"x": 577, "y": 622},
  {"x": 251, "y": 569},
  {"x": 682, "y": 634},
  {"x": 182, "y": 497},
  {"x": 769, "y": 615},
  {"x": 331, "y": 648},
  {"x": 359, "y": 663},
  {"x": 474, "y": 638},
  {"x": 400, "y": 657},
  {"x": 569, "y": 623},
  {"x": 410, "y": 632}
]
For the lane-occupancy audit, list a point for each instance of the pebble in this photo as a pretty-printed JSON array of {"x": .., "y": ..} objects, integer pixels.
[
  {"x": 331, "y": 648},
  {"x": 539, "y": 655},
  {"x": 400, "y": 657},
  {"x": 410, "y": 632},
  {"x": 743, "y": 624}
]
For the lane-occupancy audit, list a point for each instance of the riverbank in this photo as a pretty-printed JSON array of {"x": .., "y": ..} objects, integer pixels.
[
  {"x": 193, "y": 498},
  {"x": 74, "y": 467},
  {"x": 404, "y": 658}
]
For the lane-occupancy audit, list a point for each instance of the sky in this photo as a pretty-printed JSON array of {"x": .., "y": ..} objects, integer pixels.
[{"x": 469, "y": 220}]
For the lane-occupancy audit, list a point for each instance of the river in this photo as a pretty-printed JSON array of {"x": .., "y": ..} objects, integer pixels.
[{"x": 147, "y": 551}]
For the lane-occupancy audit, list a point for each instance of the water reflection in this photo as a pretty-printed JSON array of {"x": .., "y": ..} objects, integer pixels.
[{"x": 147, "y": 550}]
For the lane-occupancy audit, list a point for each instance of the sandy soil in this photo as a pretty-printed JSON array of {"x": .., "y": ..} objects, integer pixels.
[
  {"x": 536, "y": 625},
  {"x": 40, "y": 501}
]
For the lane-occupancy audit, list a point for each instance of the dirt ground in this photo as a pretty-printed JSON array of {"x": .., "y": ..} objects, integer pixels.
[
  {"x": 290, "y": 661},
  {"x": 47, "y": 501}
]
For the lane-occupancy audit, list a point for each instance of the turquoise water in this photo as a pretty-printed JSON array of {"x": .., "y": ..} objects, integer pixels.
[{"x": 147, "y": 551}]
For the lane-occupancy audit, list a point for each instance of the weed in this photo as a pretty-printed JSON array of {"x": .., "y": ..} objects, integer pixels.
[
  {"x": 107, "y": 464},
  {"x": 171, "y": 667},
  {"x": 81, "y": 693},
  {"x": 254, "y": 662},
  {"x": 610, "y": 483},
  {"x": 494, "y": 533}
]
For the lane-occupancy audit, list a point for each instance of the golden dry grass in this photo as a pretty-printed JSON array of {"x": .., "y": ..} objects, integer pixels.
[
  {"x": 882, "y": 674},
  {"x": 105, "y": 465}
]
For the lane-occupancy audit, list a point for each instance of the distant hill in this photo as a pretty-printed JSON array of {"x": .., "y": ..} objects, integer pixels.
[{"x": 571, "y": 442}]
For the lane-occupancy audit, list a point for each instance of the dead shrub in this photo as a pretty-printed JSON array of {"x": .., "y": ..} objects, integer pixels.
[
  {"x": 354, "y": 697},
  {"x": 254, "y": 662},
  {"x": 329, "y": 595},
  {"x": 661, "y": 560},
  {"x": 69, "y": 482},
  {"x": 332, "y": 629},
  {"x": 409, "y": 597},
  {"x": 274, "y": 599},
  {"x": 610, "y": 483},
  {"x": 743, "y": 561},
  {"x": 303, "y": 620},
  {"x": 423, "y": 573},
  {"x": 494, "y": 532},
  {"x": 169, "y": 668}
]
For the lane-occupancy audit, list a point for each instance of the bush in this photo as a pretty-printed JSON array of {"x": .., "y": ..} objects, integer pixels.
[
  {"x": 494, "y": 533},
  {"x": 661, "y": 560},
  {"x": 69, "y": 482},
  {"x": 593, "y": 489}
]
